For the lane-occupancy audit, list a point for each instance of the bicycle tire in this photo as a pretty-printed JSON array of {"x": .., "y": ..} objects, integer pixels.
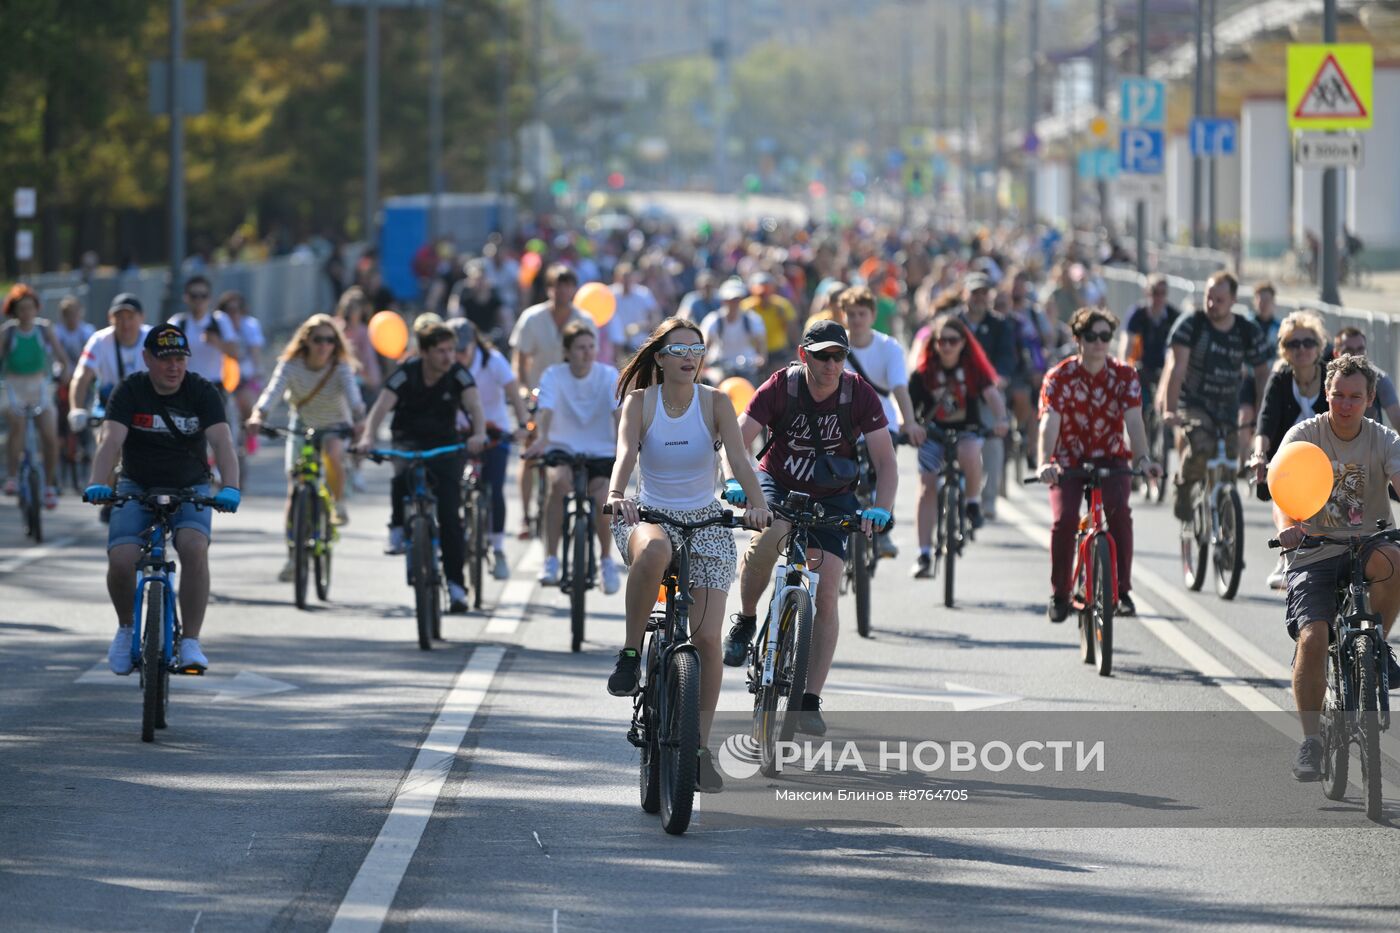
[
  {"x": 1195, "y": 544},
  {"x": 424, "y": 592},
  {"x": 303, "y": 517},
  {"x": 152, "y": 660},
  {"x": 1229, "y": 545},
  {"x": 860, "y": 581},
  {"x": 775, "y": 718},
  {"x": 578, "y": 578},
  {"x": 1335, "y": 734},
  {"x": 649, "y": 772},
  {"x": 680, "y": 741},
  {"x": 34, "y": 507},
  {"x": 949, "y": 517},
  {"x": 480, "y": 508},
  {"x": 1086, "y": 620},
  {"x": 1369, "y": 725},
  {"x": 325, "y": 540},
  {"x": 1104, "y": 603}
]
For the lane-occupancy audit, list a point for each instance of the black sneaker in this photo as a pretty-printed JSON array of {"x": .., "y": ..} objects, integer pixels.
[
  {"x": 1392, "y": 668},
  {"x": 707, "y": 776},
  {"x": 1308, "y": 766},
  {"x": 736, "y": 646},
  {"x": 1058, "y": 610},
  {"x": 810, "y": 719},
  {"x": 974, "y": 515},
  {"x": 923, "y": 567},
  {"x": 623, "y": 682},
  {"x": 1126, "y": 606}
]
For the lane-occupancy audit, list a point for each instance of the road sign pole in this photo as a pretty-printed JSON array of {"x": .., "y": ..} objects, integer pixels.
[
  {"x": 965, "y": 109},
  {"x": 1142, "y": 70},
  {"x": 1032, "y": 108},
  {"x": 998, "y": 108},
  {"x": 435, "y": 122},
  {"x": 1212, "y": 234},
  {"x": 1329, "y": 292},
  {"x": 371, "y": 119},
  {"x": 177, "y": 154},
  {"x": 1101, "y": 100}
]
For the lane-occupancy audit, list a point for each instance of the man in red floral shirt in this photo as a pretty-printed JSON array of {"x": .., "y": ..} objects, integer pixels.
[{"x": 1086, "y": 402}]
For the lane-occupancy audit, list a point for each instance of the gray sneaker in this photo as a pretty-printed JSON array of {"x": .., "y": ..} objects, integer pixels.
[
  {"x": 119, "y": 651},
  {"x": 1307, "y": 768},
  {"x": 500, "y": 567}
]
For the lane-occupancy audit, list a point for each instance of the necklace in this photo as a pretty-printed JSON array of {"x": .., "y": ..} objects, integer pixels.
[{"x": 675, "y": 411}]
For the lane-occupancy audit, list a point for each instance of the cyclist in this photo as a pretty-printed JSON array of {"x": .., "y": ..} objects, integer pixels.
[
  {"x": 537, "y": 347},
  {"x": 497, "y": 388},
  {"x": 1208, "y": 349},
  {"x": 250, "y": 346},
  {"x": 1351, "y": 341},
  {"x": 158, "y": 422},
  {"x": 879, "y": 360},
  {"x": 1086, "y": 404},
  {"x": 779, "y": 318},
  {"x": 109, "y": 356},
  {"x": 997, "y": 338},
  {"x": 733, "y": 335},
  {"x": 814, "y": 412},
  {"x": 1293, "y": 394},
  {"x": 1143, "y": 342},
  {"x": 1365, "y": 460},
  {"x": 577, "y": 413},
  {"x": 71, "y": 330},
  {"x": 698, "y": 304},
  {"x": 951, "y": 381},
  {"x": 1265, "y": 310},
  {"x": 28, "y": 347},
  {"x": 314, "y": 376},
  {"x": 211, "y": 333},
  {"x": 673, "y": 432},
  {"x": 425, "y": 394},
  {"x": 637, "y": 312}
]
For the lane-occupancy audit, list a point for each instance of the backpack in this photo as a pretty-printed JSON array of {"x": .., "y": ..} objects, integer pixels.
[
  {"x": 794, "y": 400},
  {"x": 743, "y": 319}
]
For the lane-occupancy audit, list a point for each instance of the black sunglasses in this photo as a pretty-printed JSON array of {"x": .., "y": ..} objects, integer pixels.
[
  {"x": 1301, "y": 343},
  {"x": 828, "y": 356},
  {"x": 322, "y": 339},
  {"x": 197, "y": 296},
  {"x": 949, "y": 341},
  {"x": 1096, "y": 336}
]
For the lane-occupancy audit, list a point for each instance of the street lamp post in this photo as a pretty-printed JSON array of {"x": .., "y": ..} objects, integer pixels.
[
  {"x": 435, "y": 121},
  {"x": 1329, "y": 292},
  {"x": 177, "y": 151},
  {"x": 965, "y": 111},
  {"x": 1142, "y": 70},
  {"x": 1198, "y": 94},
  {"x": 1032, "y": 107},
  {"x": 998, "y": 107}
]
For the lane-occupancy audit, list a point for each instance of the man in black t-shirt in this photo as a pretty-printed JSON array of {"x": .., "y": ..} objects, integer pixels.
[
  {"x": 425, "y": 394},
  {"x": 156, "y": 453},
  {"x": 1145, "y": 333}
]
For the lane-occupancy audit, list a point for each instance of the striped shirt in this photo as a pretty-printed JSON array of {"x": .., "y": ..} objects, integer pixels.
[{"x": 339, "y": 401}]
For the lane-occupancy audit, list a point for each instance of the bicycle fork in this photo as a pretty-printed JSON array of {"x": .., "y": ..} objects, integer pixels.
[{"x": 781, "y": 588}]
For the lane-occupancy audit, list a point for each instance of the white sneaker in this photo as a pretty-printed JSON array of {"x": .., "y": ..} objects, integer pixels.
[
  {"x": 500, "y": 567},
  {"x": 549, "y": 576},
  {"x": 611, "y": 583},
  {"x": 357, "y": 481},
  {"x": 191, "y": 655},
  {"x": 119, "y": 651},
  {"x": 398, "y": 544},
  {"x": 1278, "y": 579}
]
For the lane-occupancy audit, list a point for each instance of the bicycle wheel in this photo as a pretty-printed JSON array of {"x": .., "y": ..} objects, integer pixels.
[
  {"x": 649, "y": 776},
  {"x": 952, "y": 542},
  {"x": 424, "y": 589},
  {"x": 1369, "y": 725},
  {"x": 34, "y": 506},
  {"x": 153, "y": 661},
  {"x": 860, "y": 581},
  {"x": 1087, "y": 654},
  {"x": 481, "y": 529},
  {"x": 303, "y": 520},
  {"x": 1102, "y": 604},
  {"x": 1195, "y": 542},
  {"x": 1229, "y": 544},
  {"x": 679, "y": 740},
  {"x": 776, "y": 707},
  {"x": 578, "y": 577},
  {"x": 325, "y": 538},
  {"x": 1334, "y": 732}
]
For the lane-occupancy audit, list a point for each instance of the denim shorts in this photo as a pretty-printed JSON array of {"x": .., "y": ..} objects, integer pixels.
[
  {"x": 932, "y": 454},
  {"x": 130, "y": 519},
  {"x": 830, "y": 540}
]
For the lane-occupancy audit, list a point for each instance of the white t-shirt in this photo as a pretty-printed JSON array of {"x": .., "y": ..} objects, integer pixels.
[
  {"x": 492, "y": 377},
  {"x": 635, "y": 308},
  {"x": 206, "y": 359},
  {"x": 250, "y": 335},
  {"x": 883, "y": 362},
  {"x": 536, "y": 336},
  {"x": 726, "y": 340},
  {"x": 73, "y": 341},
  {"x": 582, "y": 422},
  {"x": 100, "y": 356}
]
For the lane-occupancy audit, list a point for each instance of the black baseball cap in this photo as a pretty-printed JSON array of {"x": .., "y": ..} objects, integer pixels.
[
  {"x": 167, "y": 340},
  {"x": 825, "y": 335},
  {"x": 126, "y": 300}
]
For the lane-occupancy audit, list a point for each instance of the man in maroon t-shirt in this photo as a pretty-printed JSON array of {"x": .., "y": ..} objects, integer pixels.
[{"x": 807, "y": 430}]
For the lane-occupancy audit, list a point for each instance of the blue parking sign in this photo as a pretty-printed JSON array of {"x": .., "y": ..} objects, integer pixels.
[
  {"x": 1142, "y": 102},
  {"x": 1213, "y": 136},
  {"x": 1140, "y": 150}
]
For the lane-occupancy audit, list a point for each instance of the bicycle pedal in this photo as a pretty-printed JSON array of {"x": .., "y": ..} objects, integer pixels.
[
  {"x": 635, "y": 737},
  {"x": 190, "y": 671}
]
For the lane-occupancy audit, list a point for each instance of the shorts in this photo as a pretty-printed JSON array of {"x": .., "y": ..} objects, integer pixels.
[
  {"x": 1312, "y": 592},
  {"x": 830, "y": 540},
  {"x": 130, "y": 519},
  {"x": 713, "y": 556},
  {"x": 598, "y": 467},
  {"x": 28, "y": 392},
  {"x": 931, "y": 452}
]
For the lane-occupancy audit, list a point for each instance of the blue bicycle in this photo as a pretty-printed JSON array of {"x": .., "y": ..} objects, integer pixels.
[
  {"x": 31, "y": 475},
  {"x": 423, "y": 538},
  {"x": 153, "y": 643}
]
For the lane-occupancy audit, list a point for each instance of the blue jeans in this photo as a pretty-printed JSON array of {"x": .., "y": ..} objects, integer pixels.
[{"x": 493, "y": 471}]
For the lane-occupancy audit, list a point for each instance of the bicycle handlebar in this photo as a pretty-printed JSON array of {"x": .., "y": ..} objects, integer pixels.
[
  {"x": 379, "y": 455},
  {"x": 843, "y": 521},
  {"x": 159, "y": 498},
  {"x": 1089, "y": 473},
  {"x": 272, "y": 430},
  {"x": 1385, "y": 534},
  {"x": 725, "y": 519},
  {"x": 554, "y": 458}
]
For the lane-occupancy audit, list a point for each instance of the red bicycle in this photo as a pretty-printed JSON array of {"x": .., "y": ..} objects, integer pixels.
[{"x": 1095, "y": 594}]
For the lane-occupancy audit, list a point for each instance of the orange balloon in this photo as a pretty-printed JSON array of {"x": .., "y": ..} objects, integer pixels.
[
  {"x": 530, "y": 265},
  {"x": 388, "y": 334},
  {"x": 1300, "y": 479},
  {"x": 232, "y": 375},
  {"x": 740, "y": 392},
  {"x": 597, "y": 301}
]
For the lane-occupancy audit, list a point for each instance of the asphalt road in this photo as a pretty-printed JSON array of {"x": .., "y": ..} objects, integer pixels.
[{"x": 326, "y": 771}]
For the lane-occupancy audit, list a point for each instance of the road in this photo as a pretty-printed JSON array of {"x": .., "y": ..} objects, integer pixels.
[{"x": 327, "y": 772}]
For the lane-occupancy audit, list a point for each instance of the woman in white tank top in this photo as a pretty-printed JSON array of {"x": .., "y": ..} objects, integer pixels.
[{"x": 672, "y": 428}]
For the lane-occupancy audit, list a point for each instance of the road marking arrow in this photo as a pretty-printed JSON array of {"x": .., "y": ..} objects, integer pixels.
[
  {"x": 962, "y": 699},
  {"x": 242, "y": 686}
]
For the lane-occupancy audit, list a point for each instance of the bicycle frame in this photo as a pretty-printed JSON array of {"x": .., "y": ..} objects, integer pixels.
[
  {"x": 1092, "y": 525},
  {"x": 152, "y": 566},
  {"x": 792, "y": 573}
]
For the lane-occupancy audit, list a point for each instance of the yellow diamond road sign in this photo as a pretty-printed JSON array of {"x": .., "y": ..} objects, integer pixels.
[{"x": 1329, "y": 87}]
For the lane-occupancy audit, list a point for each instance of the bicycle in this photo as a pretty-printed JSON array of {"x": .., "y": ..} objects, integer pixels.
[
  {"x": 666, "y": 710},
  {"x": 311, "y": 528},
  {"x": 1357, "y": 704},
  {"x": 1159, "y": 444},
  {"x": 1217, "y": 521},
  {"x": 952, "y": 531},
  {"x": 75, "y": 447},
  {"x": 422, "y": 536},
  {"x": 578, "y": 567},
  {"x": 477, "y": 517},
  {"x": 777, "y": 674},
  {"x": 155, "y": 615},
  {"x": 863, "y": 557},
  {"x": 1095, "y": 593},
  {"x": 31, "y": 474}
]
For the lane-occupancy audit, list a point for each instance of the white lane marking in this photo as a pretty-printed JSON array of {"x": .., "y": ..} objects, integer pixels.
[
  {"x": 961, "y": 698},
  {"x": 555, "y": 926},
  {"x": 514, "y": 603},
  {"x": 38, "y": 552},
  {"x": 1192, "y": 652},
  {"x": 371, "y": 894}
]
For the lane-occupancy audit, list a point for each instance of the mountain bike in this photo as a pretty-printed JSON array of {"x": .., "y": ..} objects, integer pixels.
[
  {"x": 578, "y": 567},
  {"x": 31, "y": 474},
  {"x": 863, "y": 556},
  {"x": 478, "y": 517},
  {"x": 666, "y": 711},
  {"x": 310, "y": 529},
  {"x": 1217, "y": 521},
  {"x": 422, "y": 536},
  {"x": 779, "y": 657},
  {"x": 1095, "y": 593},
  {"x": 75, "y": 447},
  {"x": 1356, "y": 709},
  {"x": 155, "y": 616},
  {"x": 952, "y": 531}
]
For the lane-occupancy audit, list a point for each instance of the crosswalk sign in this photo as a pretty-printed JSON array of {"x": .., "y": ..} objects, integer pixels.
[{"x": 1329, "y": 87}]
